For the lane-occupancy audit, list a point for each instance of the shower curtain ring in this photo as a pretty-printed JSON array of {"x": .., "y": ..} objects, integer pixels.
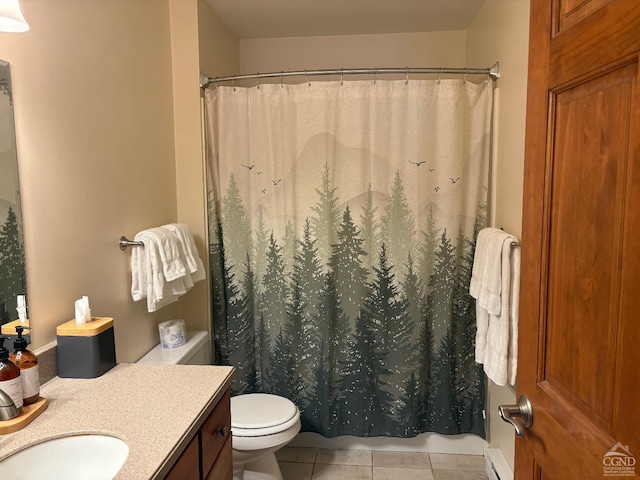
[
  {"x": 281, "y": 78},
  {"x": 375, "y": 75},
  {"x": 406, "y": 80},
  {"x": 466, "y": 70},
  {"x": 440, "y": 75},
  {"x": 341, "y": 76},
  {"x": 258, "y": 80},
  {"x": 307, "y": 75},
  {"x": 233, "y": 84}
]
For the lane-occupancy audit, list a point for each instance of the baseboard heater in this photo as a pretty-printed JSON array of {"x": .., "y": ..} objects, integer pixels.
[{"x": 497, "y": 467}]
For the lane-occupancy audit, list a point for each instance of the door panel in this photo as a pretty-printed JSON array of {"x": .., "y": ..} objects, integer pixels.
[
  {"x": 606, "y": 37},
  {"x": 579, "y": 346},
  {"x": 589, "y": 179},
  {"x": 569, "y": 12}
]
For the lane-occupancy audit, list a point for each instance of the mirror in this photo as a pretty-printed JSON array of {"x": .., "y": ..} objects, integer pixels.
[{"x": 12, "y": 266}]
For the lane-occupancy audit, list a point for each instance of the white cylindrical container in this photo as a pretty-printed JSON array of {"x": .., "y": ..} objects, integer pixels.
[{"x": 173, "y": 333}]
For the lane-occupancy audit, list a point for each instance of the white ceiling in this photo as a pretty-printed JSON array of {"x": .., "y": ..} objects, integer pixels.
[{"x": 298, "y": 18}]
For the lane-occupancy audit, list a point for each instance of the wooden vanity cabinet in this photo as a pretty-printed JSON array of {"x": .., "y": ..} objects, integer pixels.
[
  {"x": 215, "y": 434},
  {"x": 222, "y": 470},
  {"x": 208, "y": 455},
  {"x": 188, "y": 465}
]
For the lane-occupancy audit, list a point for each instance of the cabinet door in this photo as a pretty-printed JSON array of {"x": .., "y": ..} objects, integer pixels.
[
  {"x": 188, "y": 465},
  {"x": 215, "y": 432},
  {"x": 223, "y": 468}
]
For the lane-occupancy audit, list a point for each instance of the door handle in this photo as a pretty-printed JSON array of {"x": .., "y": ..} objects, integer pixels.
[{"x": 522, "y": 411}]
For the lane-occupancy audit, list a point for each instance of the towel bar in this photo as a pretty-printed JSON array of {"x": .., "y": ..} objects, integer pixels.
[
  {"x": 513, "y": 244},
  {"x": 125, "y": 242}
]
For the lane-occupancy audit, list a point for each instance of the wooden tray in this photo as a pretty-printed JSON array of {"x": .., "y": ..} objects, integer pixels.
[
  {"x": 29, "y": 414},
  {"x": 10, "y": 328}
]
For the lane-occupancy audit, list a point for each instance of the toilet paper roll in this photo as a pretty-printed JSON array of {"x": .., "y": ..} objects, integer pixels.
[{"x": 172, "y": 333}]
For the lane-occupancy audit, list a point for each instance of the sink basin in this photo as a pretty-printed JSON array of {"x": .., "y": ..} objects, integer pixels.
[{"x": 81, "y": 457}]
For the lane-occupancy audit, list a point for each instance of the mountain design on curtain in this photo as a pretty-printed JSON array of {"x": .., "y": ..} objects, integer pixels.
[{"x": 353, "y": 304}]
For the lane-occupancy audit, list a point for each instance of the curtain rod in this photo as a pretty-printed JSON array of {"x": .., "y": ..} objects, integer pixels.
[{"x": 493, "y": 72}]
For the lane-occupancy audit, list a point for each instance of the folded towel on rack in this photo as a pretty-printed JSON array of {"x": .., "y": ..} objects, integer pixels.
[
  {"x": 477, "y": 271},
  {"x": 485, "y": 285},
  {"x": 173, "y": 265},
  {"x": 496, "y": 263},
  {"x": 189, "y": 250},
  {"x": 159, "y": 270}
]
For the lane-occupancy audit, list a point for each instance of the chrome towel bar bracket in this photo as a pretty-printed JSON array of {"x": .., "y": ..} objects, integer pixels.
[{"x": 125, "y": 242}]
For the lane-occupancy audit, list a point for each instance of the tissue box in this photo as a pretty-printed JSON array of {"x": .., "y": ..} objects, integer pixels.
[{"x": 86, "y": 351}]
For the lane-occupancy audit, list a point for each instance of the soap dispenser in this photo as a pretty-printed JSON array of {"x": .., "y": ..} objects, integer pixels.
[
  {"x": 27, "y": 362},
  {"x": 10, "y": 376}
]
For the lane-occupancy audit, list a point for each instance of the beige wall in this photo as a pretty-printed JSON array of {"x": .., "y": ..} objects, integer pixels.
[
  {"x": 107, "y": 106},
  {"x": 500, "y": 31},
  {"x": 219, "y": 49},
  {"x": 353, "y": 51},
  {"x": 188, "y": 146},
  {"x": 94, "y": 121},
  {"x": 200, "y": 42}
]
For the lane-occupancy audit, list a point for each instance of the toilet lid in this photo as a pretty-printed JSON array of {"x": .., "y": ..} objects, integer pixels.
[{"x": 261, "y": 411}]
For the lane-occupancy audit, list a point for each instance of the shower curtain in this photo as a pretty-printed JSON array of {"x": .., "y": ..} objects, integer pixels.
[{"x": 342, "y": 220}]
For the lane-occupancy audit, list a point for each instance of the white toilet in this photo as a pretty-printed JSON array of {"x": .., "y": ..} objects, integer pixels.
[{"x": 261, "y": 423}]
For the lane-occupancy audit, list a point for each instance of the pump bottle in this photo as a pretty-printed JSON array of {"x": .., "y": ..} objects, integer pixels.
[
  {"x": 27, "y": 362},
  {"x": 10, "y": 376}
]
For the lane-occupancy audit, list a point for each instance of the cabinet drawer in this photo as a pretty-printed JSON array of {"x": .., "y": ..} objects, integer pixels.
[
  {"x": 223, "y": 468},
  {"x": 188, "y": 465},
  {"x": 215, "y": 432}
]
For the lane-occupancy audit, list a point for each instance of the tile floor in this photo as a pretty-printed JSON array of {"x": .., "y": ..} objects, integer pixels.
[{"x": 299, "y": 463}]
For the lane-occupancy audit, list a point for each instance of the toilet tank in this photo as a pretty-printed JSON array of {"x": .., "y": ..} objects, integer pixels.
[{"x": 194, "y": 352}]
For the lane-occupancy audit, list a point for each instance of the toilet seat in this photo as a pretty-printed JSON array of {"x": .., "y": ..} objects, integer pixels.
[{"x": 260, "y": 414}]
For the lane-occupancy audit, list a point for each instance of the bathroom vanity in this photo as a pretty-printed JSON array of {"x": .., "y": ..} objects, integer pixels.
[{"x": 175, "y": 419}]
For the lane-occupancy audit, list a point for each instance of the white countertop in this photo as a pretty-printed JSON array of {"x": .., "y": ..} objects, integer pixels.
[{"x": 153, "y": 408}]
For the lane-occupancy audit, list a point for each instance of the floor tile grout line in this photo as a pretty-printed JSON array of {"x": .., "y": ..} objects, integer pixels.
[{"x": 430, "y": 466}]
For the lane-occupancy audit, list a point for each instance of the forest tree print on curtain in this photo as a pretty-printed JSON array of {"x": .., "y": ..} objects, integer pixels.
[{"x": 342, "y": 223}]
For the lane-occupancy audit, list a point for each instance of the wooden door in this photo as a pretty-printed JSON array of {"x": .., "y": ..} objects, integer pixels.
[{"x": 579, "y": 350}]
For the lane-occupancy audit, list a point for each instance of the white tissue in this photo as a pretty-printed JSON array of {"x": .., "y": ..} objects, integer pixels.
[
  {"x": 172, "y": 333},
  {"x": 83, "y": 312},
  {"x": 22, "y": 308}
]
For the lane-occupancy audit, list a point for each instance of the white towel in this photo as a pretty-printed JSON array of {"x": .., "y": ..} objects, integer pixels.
[
  {"x": 496, "y": 303},
  {"x": 479, "y": 284},
  {"x": 158, "y": 271},
  {"x": 479, "y": 258},
  {"x": 486, "y": 255},
  {"x": 490, "y": 287},
  {"x": 189, "y": 250},
  {"x": 173, "y": 265}
]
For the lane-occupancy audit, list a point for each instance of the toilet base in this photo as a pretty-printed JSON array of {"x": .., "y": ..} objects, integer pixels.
[{"x": 264, "y": 468}]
